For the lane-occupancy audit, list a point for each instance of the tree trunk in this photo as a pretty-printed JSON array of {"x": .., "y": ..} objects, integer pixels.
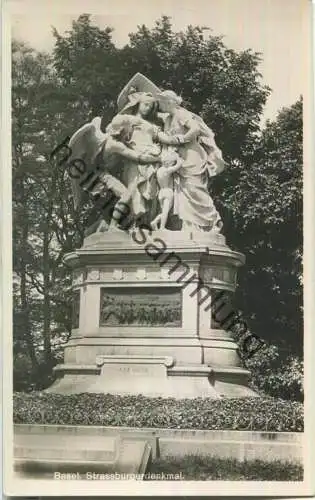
[
  {"x": 24, "y": 299},
  {"x": 46, "y": 304}
]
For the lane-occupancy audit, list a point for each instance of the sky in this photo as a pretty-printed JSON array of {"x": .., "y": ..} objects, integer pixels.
[{"x": 277, "y": 28}]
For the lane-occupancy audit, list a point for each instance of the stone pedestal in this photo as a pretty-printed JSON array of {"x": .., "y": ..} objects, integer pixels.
[{"x": 143, "y": 317}]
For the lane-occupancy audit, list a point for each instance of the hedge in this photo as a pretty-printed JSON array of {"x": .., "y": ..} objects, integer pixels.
[{"x": 258, "y": 414}]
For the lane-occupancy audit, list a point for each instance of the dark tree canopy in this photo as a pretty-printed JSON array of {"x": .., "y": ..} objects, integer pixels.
[
  {"x": 223, "y": 85},
  {"x": 266, "y": 224}
]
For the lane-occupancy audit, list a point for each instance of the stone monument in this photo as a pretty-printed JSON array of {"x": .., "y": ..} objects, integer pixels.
[{"x": 148, "y": 274}]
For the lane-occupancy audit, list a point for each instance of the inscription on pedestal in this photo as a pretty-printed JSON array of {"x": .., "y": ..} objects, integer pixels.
[
  {"x": 129, "y": 375},
  {"x": 141, "y": 306},
  {"x": 131, "y": 369}
]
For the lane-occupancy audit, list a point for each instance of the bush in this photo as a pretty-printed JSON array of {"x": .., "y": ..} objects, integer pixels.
[
  {"x": 263, "y": 414},
  {"x": 23, "y": 373},
  {"x": 206, "y": 468},
  {"x": 280, "y": 378},
  {"x": 273, "y": 371},
  {"x": 27, "y": 377}
]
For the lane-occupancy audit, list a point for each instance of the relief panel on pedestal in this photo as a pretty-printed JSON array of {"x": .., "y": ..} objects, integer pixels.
[{"x": 141, "y": 306}]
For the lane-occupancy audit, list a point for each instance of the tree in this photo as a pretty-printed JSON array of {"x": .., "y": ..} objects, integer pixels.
[
  {"x": 43, "y": 225},
  {"x": 88, "y": 67},
  {"x": 266, "y": 208},
  {"x": 25, "y": 80},
  {"x": 222, "y": 85}
]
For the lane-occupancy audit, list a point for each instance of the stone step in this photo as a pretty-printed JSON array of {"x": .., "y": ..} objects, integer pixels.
[
  {"x": 61, "y": 454},
  {"x": 73, "y": 441},
  {"x": 131, "y": 456}
]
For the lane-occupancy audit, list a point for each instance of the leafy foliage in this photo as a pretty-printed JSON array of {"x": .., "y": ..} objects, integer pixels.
[
  {"x": 137, "y": 411},
  {"x": 273, "y": 372},
  {"x": 265, "y": 222},
  {"x": 275, "y": 376},
  {"x": 223, "y": 85},
  {"x": 44, "y": 229}
]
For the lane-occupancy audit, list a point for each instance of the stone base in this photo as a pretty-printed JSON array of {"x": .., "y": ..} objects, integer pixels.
[
  {"x": 145, "y": 317},
  {"x": 153, "y": 377}
]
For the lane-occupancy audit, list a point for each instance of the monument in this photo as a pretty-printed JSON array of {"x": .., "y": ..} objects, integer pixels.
[{"x": 151, "y": 267}]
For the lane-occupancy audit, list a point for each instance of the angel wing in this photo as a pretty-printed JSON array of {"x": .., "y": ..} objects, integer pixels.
[
  {"x": 85, "y": 145},
  {"x": 88, "y": 140}
]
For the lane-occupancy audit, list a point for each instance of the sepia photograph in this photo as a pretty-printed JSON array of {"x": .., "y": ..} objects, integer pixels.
[{"x": 156, "y": 174}]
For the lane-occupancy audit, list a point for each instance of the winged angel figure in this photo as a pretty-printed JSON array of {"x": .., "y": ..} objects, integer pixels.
[{"x": 167, "y": 155}]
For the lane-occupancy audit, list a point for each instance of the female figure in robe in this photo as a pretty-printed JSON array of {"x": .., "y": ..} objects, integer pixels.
[{"x": 201, "y": 159}]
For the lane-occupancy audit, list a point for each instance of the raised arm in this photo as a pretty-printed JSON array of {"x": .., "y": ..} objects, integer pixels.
[
  {"x": 169, "y": 140},
  {"x": 175, "y": 140}
]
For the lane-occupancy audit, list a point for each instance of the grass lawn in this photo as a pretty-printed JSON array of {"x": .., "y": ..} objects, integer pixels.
[{"x": 200, "y": 468}]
